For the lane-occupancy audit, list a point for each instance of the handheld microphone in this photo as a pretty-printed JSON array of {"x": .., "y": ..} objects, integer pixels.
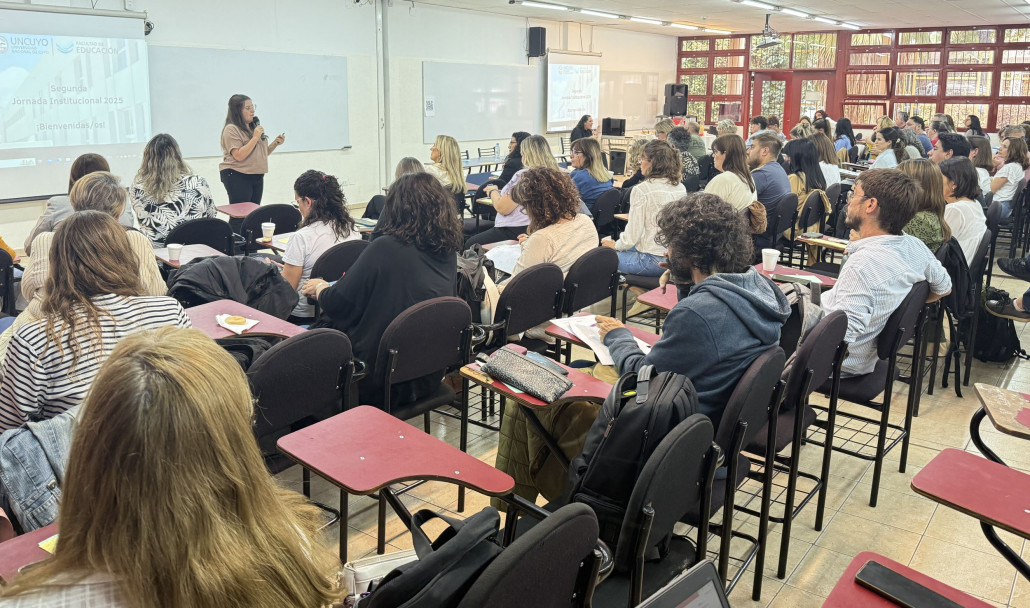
[{"x": 257, "y": 121}]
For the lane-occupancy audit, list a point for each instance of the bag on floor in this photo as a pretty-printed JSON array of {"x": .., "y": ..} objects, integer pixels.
[
  {"x": 639, "y": 412},
  {"x": 360, "y": 574},
  {"x": 996, "y": 339},
  {"x": 446, "y": 567},
  {"x": 473, "y": 270}
]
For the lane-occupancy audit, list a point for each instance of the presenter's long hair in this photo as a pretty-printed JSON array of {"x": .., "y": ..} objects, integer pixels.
[
  {"x": 189, "y": 516},
  {"x": 450, "y": 161},
  {"x": 536, "y": 152},
  {"x": 162, "y": 167},
  {"x": 592, "y": 160},
  {"x": 421, "y": 212},
  {"x": 583, "y": 121},
  {"x": 328, "y": 202},
  {"x": 235, "y": 114}
]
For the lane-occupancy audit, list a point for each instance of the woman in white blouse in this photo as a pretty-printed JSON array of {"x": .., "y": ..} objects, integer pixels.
[
  {"x": 1013, "y": 153},
  {"x": 638, "y": 251},
  {"x": 734, "y": 185}
]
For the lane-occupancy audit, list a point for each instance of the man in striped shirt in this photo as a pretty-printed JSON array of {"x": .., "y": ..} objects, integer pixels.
[{"x": 883, "y": 263}]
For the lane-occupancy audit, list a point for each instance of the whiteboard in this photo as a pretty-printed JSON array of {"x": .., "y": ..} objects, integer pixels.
[
  {"x": 304, "y": 96},
  {"x": 630, "y": 95},
  {"x": 473, "y": 101}
]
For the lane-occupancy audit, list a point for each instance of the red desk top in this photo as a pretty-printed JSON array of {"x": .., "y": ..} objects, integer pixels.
[
  {"x": 561, "y": 334},
  {"x": 827, "y": 280},
  {"x": 238, "y": 210},
  {"x": 365, "y": 449},
  {"x": 188, "y": 253},
  {"x": 971, "y": 484},
  {"x": 203, "y": 318},
  {"x": 584, "y": 388},
  {"x": 849, "y": 594},
  {"x": 22, "y": 551}
]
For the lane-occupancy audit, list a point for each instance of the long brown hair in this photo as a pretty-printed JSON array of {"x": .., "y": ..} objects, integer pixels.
[
  {"x": 166, "y": 490},
  {"x": 930, "y": 179},
  {"x": 666, "y": 162},
  {"x": 548, "y": 196},
  {"x": 90, "y": 256},
  {"x": 420, "y": 212},
  {"x": 824, "y": 147},
  {"x": 84, "y": 165},
  {"x": 736, "y": 159},
  {"x": 234, "y": 116}
]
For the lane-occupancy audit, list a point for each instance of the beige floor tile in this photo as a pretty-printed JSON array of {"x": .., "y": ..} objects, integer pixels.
[
  {"x": 740, "y": 597},
  {"x": 819, "y": 571},
  {"x": 792, "y": 597},
  {"x": 901, "y": 510},
  {"x": 957, "y": 528},
  {"x": 892, "y": 479},
  {"x": 850, "y": 535},
  {"x": 982, "y": 574}
]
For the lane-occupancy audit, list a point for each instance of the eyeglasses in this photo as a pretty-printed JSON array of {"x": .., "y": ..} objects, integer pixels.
[
  {"x": 250, "y": 107},
  {"x": 577, "y": 152},
  {"x": 851, "y": 195}
]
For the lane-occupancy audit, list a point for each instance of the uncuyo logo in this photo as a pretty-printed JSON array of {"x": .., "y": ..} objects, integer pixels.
[
  {"x": 65, "y": 45},
  {"x": 3, "y": 45}
]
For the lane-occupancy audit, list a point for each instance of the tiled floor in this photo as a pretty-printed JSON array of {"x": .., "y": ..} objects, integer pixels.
[{"x": 905, "y": 527}]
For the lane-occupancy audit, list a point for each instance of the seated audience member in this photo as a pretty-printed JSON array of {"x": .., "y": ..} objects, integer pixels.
[
  {"x": 725, "y": 127},
  {"x": 774, "y": 126},
  {"x": 891, "y": 148},
  {"x": 557, "y": 233},
  {"x": 934, "y": 129},
  {"x": 93, "y": 299},
  {"x": 828, "y": 161},
  {"x": 928, "y": 224},
  {"x": 408, "y": 164},
  {"x": 97, "y": 191},
  {"x": 845, "y": 135},
  {"x": 735, "y": 184},
  {"x": 982, "y": 155},
  {"x": 949, "y": 145},
  {"x": 680, "y": 139},
  {"x": 802, "y": 130},
  {"x": 166, "y": 192},
  {"x": 963, "y": 213},
  {"x": 662, "y": 128},
  {"x": 633, "y": 162},
  {"x": 697, "y": 143},
  {"x": 900, "y": 122},
  {"x": 917, "y": 125},
  {"x": 60, "y": 207},
  {"x": 822, "y": 125},
  {"x": 513, "y": 162},
  {"x": 325, "y": 223},
  {"x": 806, "y": 177},
  {"x": 948, "y": 120},
  {"x": 882, "y": 123},
  {"x": 166, "y": 501},
  {"x": 1013, "y": 153},
  {"x": 804, "y": 120},
  {"x": 638, "y": 252},
  {"x": 830, "y": 123},
  {"x": 446, "y": 167},
  {"x": 584, "y": 128},
  {"x": 973, "y": 126},
  {"x": 411, "y": 261},
  {"x": 589, "y": 173},
  {"x": 511, "y": 220},
  {"x": 771, "y": 181},
  {"x": 883, "y": 263},
  {"x": 913, "y": 148},
  {"x": 757, "y": 124}
]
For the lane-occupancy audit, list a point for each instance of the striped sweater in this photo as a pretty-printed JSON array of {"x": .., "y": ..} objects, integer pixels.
[{"x": 38, "y": 380}]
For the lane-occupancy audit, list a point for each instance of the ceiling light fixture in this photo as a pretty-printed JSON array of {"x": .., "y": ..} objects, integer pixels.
[
  {"x": 790, "y": 11},
  {"x": 647, "y": 21},
  {"x": 825, "y": 20},
  {"x": 586, "y": 11},
  {"x": 684, "y": 27},
  {"x": 761, "y": 5},
  {"x": 553, "y": 7},
  {"x": 715, "y": 31},
  {"x": 852, "y": 26}
]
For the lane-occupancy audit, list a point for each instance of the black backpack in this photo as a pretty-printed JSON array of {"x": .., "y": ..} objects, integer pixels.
[
  {"x": 473, "y": 268},
  {"x": 961, "y": 302},
  {"x": 639, "y": 412},
  {"x": 446, "y": 567},
  {"x": 247, "y": 349},
  {"x": 996, "y": 339}
]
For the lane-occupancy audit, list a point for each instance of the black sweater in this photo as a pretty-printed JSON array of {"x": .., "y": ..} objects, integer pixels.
[
  {"x": 580, "y": 133},
  {"x": 511, "y": 167}
]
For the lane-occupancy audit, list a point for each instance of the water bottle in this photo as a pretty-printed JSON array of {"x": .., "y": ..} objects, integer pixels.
[{"x": 497, "y": 150}]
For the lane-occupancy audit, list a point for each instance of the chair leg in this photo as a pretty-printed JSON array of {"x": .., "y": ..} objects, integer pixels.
[
  {"x": 881, "y": 440},
  {"x": 938, "y": 333},
  {"x": 305, "y": 481},
  {"x": 824, "y": 475},
  {"x": 970, "y": 343},
  {"x": 464, "y": 435},
  {"x": 792, "y": 482},
  {"x": 381, "y": 534},
  {"x": 763, "y": 519},
  {"x": 425, "y": 421}
]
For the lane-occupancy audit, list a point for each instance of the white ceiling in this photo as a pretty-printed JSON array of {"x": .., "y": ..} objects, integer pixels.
[{"x": 727, "y": 15}]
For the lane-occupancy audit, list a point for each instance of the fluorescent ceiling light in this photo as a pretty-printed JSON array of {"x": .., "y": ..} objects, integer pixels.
[
  {"x": 648, "y": 21},
  {"x": 714, "y": 31},
  {"x": 598, "y": 14},
  {"x": 684, "y": 27},
  {"x": 825, "y": 20},
  {"x": 852, "y": 26},
  {"x": 554, "y": 7},
  {"x": 755, "y": 4},
  {"x": 790, "y": 11}
]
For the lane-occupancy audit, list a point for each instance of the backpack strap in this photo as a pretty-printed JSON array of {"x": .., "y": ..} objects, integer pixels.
[{"x": 643, "y": 379}]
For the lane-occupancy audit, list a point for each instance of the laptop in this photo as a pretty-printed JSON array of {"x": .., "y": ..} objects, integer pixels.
[{"x": 699, "y": 587}]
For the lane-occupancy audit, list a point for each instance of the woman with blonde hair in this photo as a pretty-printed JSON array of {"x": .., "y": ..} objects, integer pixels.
[
  {"x": 93, "y": 299},
  {"x": 446, "y": 165},
  {"x": 589, "y": 173},
  {"x": 662, "y": 128},
  {"x": 882, "y": 123},
  {"x": 166, "y": 192},
  {"x": 928, "y": 224},
  {"x": 802, "y": 130},
  {"x": 633, "y": 161},
  {"x": 188, "y": 515}
]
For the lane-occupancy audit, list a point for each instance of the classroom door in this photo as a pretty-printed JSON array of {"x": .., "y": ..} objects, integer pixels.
[{"x": 791, "y": 95}]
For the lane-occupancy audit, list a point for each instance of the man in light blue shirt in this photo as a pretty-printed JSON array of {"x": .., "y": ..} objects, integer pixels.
[{"x": 917, "y": 125}]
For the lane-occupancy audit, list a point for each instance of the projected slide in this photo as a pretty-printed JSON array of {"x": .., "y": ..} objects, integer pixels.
[
  {"x": 572, "y": 91},
  {"x": 63, "y": 96}
]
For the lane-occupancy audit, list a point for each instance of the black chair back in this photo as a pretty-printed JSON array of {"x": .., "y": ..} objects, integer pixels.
[
  {"x": 993, "y": 216},
  {"x": 336, "y": 260},
  {"x": 210, "y": 231},
  {"x": 552, "y": 555},
  {"x": 902, "y": 320},
  {"x": 285, "y": 217},
  {"x": 7, "y": 291},
  {"x": 978, "y": 265},
  {"x": 815, "y": 355},
  {"x": 750, "y": 402},
  {"x": 814, "y": 212},
  {"x": 604, "y": 209},
  {"x": 706, "y": 169},
  {"x": 592, "y": 278},
  {"x": 530, "y": 298},
  {"x": 374, "y": 208},
  {"x": 426, "y": 338},
  {"x": 787, "y": 211},
  {"x": 833, "y": 194}
]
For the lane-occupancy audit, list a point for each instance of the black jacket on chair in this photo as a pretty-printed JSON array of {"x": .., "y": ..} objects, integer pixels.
[{"x": 242, "y": 279}]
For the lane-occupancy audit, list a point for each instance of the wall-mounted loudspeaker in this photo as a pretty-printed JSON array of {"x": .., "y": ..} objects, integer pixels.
[
  {"x": 675, "y": 100},
  {"x": 537, "y": 41}
]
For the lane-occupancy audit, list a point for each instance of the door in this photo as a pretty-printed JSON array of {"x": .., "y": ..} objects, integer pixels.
[{"x": 791, "y": 95}]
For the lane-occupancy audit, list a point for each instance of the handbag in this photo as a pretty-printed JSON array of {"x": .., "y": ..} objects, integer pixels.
[
  {"x": 359, "y": 573},
  {"x": 527, "y": 375}
]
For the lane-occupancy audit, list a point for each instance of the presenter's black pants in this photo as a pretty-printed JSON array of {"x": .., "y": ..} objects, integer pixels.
[{"x": 243, "y": 187}]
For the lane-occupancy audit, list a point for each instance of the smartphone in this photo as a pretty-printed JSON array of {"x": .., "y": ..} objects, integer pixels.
[
  {"x": 901, "y": 590},
  {"x": 548, "y": 363}
]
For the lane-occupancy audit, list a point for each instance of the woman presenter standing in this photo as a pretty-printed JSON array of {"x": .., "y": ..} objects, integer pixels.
[{"x": 245, "y": 150}]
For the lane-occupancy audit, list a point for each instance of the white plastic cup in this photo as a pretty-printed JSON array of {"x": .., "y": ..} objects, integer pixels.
[
  {"x": 174, "y": 251},
  {"x": 769, "y": 259},
  {"x": 267, "y": 230}
]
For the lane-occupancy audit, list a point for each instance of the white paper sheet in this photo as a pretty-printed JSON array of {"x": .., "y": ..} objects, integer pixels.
[
  {"x": 504, "y": 257},
  {"x": 585, "y": 329}
]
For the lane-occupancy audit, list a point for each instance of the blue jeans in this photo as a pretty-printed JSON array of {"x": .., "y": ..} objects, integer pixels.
[
  {"x": 632, "y": 261},
  {"x": 1006, "y": 209}
]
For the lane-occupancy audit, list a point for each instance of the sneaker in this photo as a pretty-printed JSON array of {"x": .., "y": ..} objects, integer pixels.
[
  {"x": 1016, "y": 267},
  {"x": 1006, "y": 310}
]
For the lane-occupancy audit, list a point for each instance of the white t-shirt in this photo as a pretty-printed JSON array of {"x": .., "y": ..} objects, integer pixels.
[
  {"x": 1013, "y": 173},
  {"x": 306, "y": 246},
  {"x": 831, "y": 173},
  {"x": 968, "y": 224},
  {"x": 729, "y": 187},
  {"x": 985, "y": 180}
]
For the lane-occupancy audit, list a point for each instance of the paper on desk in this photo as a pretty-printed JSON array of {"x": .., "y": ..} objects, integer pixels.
[
  {"x": 585, "y": 329},
  {"x": 811, "y": 278},
  {"x": 236, "y": 329},
  {"x": 504, "y": 257},
  {"x": 49, "y": 545}
]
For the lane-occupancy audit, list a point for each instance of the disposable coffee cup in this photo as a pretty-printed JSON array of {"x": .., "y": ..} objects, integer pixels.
[
  {"x": 174, "y": 251},
  {"x": 267, "y": 230},
  {"x": 769, "y": 259}
]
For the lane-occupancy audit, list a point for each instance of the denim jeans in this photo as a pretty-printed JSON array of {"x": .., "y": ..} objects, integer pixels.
[{"x": 632, "y": 261}]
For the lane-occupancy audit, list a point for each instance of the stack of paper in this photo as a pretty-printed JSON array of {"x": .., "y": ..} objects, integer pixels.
[
  {"x": 585, "y": 329},
  {"x": 504, "y": 257}
]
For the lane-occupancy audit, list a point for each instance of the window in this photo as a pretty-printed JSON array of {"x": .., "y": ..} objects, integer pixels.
[
  {"x": 931, "y": 37},
  {"x": 696, "y": 108},
  {"x": 959, "y": 111},
  {"x": 687, "y": 63},
  {"x": 699, "y": 44},
  {"x": 732, "y": 61},
  {"x": 924, "y": 110},
  {"x": 916, "y": 83},
  {"x": 969, "y": 84},
  {"x": 987, "y": 36},
  {"x": 919, "y": 58},
  {"x": 870, "y": 59},
  {"x": 815, "y": 50},
  {"x": 1012, "y": 114},
  {"x": 697, "y": 84},
  {"x": 727, "y": 84},
  {"x": 865, "y": 114},
  {"x": 1017, "y": 35},
  {"x": 730, "y": 44},
  {"x": 1014, "y": 84},
  {"x": 726, "y": 110},
  {"x": 874, "y": 39},
  {"x": 978, "y": 57},
  {"x": 773, "y": 57},
  {"x": 1016, "y": 56},
  {"x": 867, "y": 84}
]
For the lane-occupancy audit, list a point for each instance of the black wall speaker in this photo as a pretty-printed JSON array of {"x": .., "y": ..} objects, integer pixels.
[
  {"x": 537, "y": 41},
  {"x": 675, "y": 100},
  {"x": 618, "y": 163}
]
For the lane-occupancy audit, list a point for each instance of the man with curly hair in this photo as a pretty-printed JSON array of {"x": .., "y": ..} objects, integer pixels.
[{"x": 730, "y": 316}]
